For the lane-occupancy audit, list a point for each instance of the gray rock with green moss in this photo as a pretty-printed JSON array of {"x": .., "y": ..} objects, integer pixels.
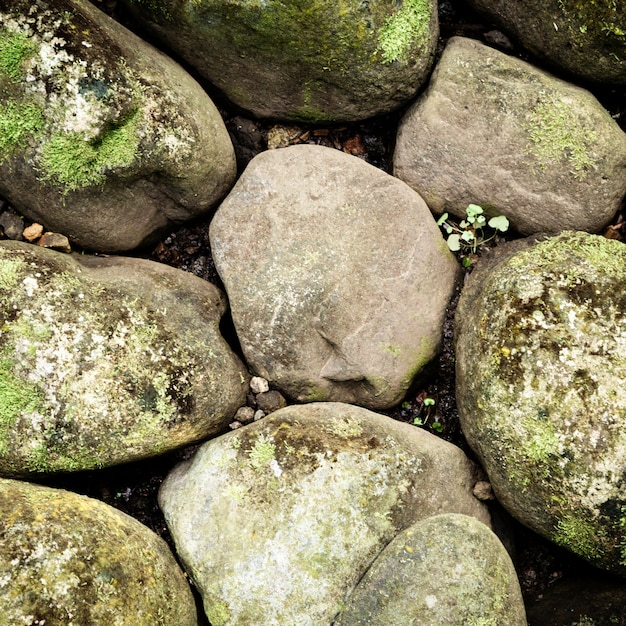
[
  {"x": 277, "y": 521},
  {"x": 495, "y": 131},
  {"x": 102, "y": 137},
  {"x": 337, "y": 276},
  {"x": 67, "y": 559},
  {"x": 541, "y": 369},
  {"x": 304, "y": 60},
  {"x": 107, "y": 360},
  {"x": 585, "y": 38},
  {"x": 448, "y": 569}
]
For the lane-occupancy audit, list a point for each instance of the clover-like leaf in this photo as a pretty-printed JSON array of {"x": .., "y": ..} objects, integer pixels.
[
  {"x": 442, "y": 219},
  {"x": 499, "y": 223},
  {"x": 454, "y": 242},
  {"x": 468, "y": 235}
]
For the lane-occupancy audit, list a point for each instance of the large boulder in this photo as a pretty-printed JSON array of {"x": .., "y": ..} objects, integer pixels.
[
  {"x": 67, "y": 559},
  {"x": 277, "y": 521},
  {"x": 102, "y": 137},
  {"x": 495, "y": 131},
  {"x": 541, "y": 369},
  {"x": 312, "y": 61},
  {"x": 447, "y": 569},
  {"x": 337, "y": 275},
  {"x": 107, "y": 360},
  {"x": 581, "y": 37}
]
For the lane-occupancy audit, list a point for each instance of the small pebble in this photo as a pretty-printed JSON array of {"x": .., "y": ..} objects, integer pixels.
[
  {"x": 33, "y": 232},
  {"x": 55, "y": 241},
  {"x": 270, "y": 401},
  {"x": 234, "y": 425},
  {"x": 245, "y": 414},
  {"x": 12, "y": 225},
  {"x": 259, "y": 385},
  {"x": 483, "y": 491},
  {"x": 259, "y": 415}
]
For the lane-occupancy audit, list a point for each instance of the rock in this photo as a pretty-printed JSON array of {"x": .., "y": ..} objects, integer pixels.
[
  {"x": 337, "y": 276},
  {"x": 33, "y": 232},
  {"x": 55, "y": 241},
  {"x": 259, "y": 384},
  {"x": 541, "y": 368},
  {"x": 270, "y": 401},
  {"x": 314, "y": 61},
  {"x": 67, "y": 559},
  {"x": 447, "y": 569},
  {"x": 107, "y": 360},
  {"x": 584, "y": 38},
  {"x": 12, "y": 226},
  {"x": 244, "y": 415},
  {"x": 277, "y": 521},
  {"x": 102, "y": 137},
  {"x": 493, "y": 130}
]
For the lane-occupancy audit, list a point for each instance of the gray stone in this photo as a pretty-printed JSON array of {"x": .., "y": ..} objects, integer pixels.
[
  {"x": 337, "y": 276},
  {"x": 541, "y": 369},
  {"x": 67, "y": 559},
  {"x": 105, "y": 360},
  {"x": 277, "y": 521},
  {"x": 313, "y": 60},
  {"x": 495, "y": 131},
  {"x": 102, "y": 137},
  {"x": 447, "y": 569},
  {"x": 586, "y": 38},
  {"x": 259, "y": 385},
  {"x": 270, "y": 401}
]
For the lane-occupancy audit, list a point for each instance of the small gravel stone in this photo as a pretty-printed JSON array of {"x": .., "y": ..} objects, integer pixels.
[
  {"x": 12, "y": 225},
  {"x": 483, "y": 491},
  {"x": 259, "y": 385},
  {"x": 259, "y": 415},
  {"x": 270, "y": 401},
  {"x": 56, "y": 241},
  {"x": 234, "y": 425},
  {"x": 245, "y": 414},
  {"x": 33, "y": 232}
]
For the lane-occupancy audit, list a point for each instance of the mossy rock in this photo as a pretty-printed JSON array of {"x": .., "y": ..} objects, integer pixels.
[
  {"x": 541, "y": 368},
  {"x": 496, "y": 131},
  {"x": 67, "y": 559},
  {"x": 447, "y": 569},
  {"x": 305, "y": 60},
  {"x": 277, "y": 521},
  {"x": 102, "y": 137},
  {"x": 584, "y": 38},
  {"x": 107, "y": 360}
]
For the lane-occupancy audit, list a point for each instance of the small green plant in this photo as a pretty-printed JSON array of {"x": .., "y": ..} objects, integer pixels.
[
  {"x": 472, "y": 231},
  {"x": 426, "y": 413}
]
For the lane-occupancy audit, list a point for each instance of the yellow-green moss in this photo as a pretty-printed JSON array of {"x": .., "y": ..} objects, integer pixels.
[
  {"x": 74, "y": 163},
  {"x": 18, "y": 122},
  {"x": 578, "y": 535},
  {"x": 557, "y": 135},
  {"x": 401, "y": 31},
  {"x": 15, "y": 48},
  {"x": 262, "y": 452}
]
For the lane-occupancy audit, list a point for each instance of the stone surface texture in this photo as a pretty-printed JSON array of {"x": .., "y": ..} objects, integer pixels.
[
  {"x": 68, "y": 560},
  {"x": 541, "y": 367},
  {"x": 447, "y": 569},
  {"x": 105, "y": 360},
  {"x": 495, "y": 131},
  {"x": 277, "y": 521},
  {"x": 337, "y": 275},
  {"x": 585, "y": 38},
  {"x": 102, "y": 137},
  {"x": 305, "y": 60}
]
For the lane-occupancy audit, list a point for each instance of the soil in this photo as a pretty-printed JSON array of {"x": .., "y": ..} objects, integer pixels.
[{"x": 133, "y": 488}]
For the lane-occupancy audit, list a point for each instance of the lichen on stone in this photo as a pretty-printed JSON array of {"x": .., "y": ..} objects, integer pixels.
[{"x": 556, "y": 135}]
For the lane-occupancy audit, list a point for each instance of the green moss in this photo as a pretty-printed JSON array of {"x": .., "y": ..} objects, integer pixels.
[
  {"x": 557, "y": 136},
  {"x": 17, "y": 396},
  {"x": 402, "y": 31},
  {"x": 15, "y": 48},
  {"x": 18, "y": 122},
  {"x": 10, "y": 273},
  {"x": 261, "y": 453},
  {"x": 603, "y": 19},
  {"x": 578, "y": 535},
  {"x": 74, "y": 163},
  {"x": 157, "y": 7},
  {"x": 218, "y": 612}
]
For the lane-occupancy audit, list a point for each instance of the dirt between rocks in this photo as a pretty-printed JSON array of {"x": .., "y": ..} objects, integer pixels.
[{"x": 133, "y": 488}]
